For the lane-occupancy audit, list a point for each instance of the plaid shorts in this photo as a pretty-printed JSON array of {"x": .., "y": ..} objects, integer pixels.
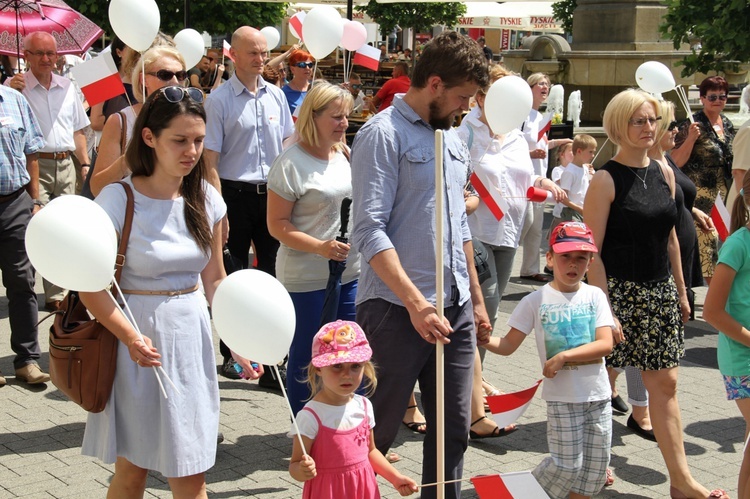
[{"x": 579, "y": 436}]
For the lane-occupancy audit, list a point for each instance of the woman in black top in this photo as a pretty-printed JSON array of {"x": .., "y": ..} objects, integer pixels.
[{"x": 630, "y": 208}]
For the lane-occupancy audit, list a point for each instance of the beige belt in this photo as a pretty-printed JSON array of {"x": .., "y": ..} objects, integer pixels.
[
  {"x": 164, "y": 293},
  {"x": 585, "y": 363}
]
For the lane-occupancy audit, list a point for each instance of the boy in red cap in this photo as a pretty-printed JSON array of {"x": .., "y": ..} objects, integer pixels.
[{"x": 572, "y": 322}]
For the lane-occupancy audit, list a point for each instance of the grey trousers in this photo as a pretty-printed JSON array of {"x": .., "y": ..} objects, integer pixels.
[
  {"x": 401, "y": 358},
  {"x": 18, "y": 279}
]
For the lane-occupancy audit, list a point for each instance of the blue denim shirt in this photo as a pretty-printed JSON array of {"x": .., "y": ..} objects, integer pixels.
[
  {"x": 20, "y": 135},
  {"x": 393, "y": 187}
]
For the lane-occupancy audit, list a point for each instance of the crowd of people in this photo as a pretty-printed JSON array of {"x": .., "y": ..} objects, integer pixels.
[{"x": 218, "y": 166}]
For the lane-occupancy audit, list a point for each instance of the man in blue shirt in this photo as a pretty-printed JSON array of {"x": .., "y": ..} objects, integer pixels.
[
  {"x": 393, "y": 184},
  {"x": 247, "y": 121},
  {"x": 20, "y": 139}
]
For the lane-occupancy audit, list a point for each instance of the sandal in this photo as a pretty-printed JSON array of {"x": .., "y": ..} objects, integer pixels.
[
  {"x": 416, "y": 426},
  {"x": 610, "y": 478},
  {"x": 496, "y": 431},
  {"x": 392, "y": 457},
  {"x": 538, "y": 277},
  {"x": 674, "y": 493}
]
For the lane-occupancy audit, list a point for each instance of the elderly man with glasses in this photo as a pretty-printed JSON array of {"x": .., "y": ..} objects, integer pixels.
[{"x": 60, "y": 113}]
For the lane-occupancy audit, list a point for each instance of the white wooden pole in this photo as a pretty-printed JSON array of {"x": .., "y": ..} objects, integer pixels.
[{"x": 440, "y": 306}]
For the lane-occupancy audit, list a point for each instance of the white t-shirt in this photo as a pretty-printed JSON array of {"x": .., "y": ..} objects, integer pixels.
[
  {"x": 338, "y": 417},
  {"x": 563, "y": 321},
  {"x": 508, "y": 166},
  {"x": 556, "y": 173},
  {"x": 575, "y": 181},
  {"x": 316, "y": 187},
  {"x": 530, "y": 129}
]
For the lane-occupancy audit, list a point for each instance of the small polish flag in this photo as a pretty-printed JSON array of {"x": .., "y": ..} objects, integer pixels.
[
  {"x": 544, "y": 130},
  {"x": 720, "y": 217},
  {"x": 225, "y": 50},
  {"x": 516, "y": 485},
  {"x": 368, "y": 57},
  {"x": 488, "y": 193},
  {"x": 98, "y": 79},
  {"x": 295, "y": 115},
  {"x": 508, "y": 407},
  {"x": 295, "y": 24}
]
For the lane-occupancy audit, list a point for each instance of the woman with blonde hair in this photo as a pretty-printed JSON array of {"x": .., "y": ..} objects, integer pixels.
[
  {"x": 164, "y": 66},
  {"x": 306, "y": 186},
  {"x": 631, "y": 211}
]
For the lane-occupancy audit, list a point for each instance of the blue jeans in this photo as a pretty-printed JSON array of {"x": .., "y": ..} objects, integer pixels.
[{"x": 308, "y": 308}]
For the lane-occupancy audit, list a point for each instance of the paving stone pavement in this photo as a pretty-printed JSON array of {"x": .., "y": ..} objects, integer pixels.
[{"x": 41, "y": 432}]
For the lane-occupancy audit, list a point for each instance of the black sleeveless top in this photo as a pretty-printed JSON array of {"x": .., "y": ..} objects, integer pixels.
[{"x": 639, "y": 223}]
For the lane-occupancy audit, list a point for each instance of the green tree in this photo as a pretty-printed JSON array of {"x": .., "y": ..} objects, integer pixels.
[
  {"x": 716, "y": 30},
  {"x": 213, "y": 16},
  {"x": 563, "y": 11},
  {"x": 421, "y": 17}
]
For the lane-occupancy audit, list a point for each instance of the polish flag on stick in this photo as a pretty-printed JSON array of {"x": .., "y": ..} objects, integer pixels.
[
  {"x": 98, "y": 79},
  {"x": 488, "y": 193},
  {"x": 517, "y": 485},
  {"x": 720, "y": 217},
  {"x": 225, "y": 51},
  {"x": 368, "y": 57},
  {"x": 544, "y": 130},
  {"x": 295, "y": 24},
  {"x": 508, "y": 407}
]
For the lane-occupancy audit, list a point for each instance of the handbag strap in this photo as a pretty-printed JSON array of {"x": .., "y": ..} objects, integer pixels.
[
  {"x": 125, "y": 236},
  {"x": 123, "y": 133}
]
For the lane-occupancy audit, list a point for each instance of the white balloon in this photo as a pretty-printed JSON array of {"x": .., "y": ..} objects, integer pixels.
[
  {"x": 190, "y": 44},
  {"x": 507, "y": 104},
  {"x": 254, "y": 316},
  {"x": 272, "y": 37},
  {"x": 654, "y": 77},
  {"x": 322, "y": 30},
  {"x": 73, "y": 244},
  {"x": 135, "y": 22}
]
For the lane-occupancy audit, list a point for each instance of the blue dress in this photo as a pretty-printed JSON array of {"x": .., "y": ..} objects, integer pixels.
[{"x": 174, "y": 436}]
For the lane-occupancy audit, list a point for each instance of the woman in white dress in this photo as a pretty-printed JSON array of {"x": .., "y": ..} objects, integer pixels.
[{"x": 175, "y": 239}]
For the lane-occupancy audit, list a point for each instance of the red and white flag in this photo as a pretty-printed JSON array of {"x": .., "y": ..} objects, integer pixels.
[
  {"x": 544, "y": 129},
  {"x": 720, "y": 217},
  {"x": 508, "y": 407},
  {"x": 295, "y": 24},
  {"x": 516, "y": 485},
  {"x": 295, "y": 114},
  {"x": 367, "y": 56},
  {"x": 98, "y": 79},
  {"x": 488, "y": 193},
  {"x": 225, "y": 50}
]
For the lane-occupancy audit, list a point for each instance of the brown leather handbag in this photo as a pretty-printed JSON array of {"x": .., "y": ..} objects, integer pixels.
[{"x": 82, "y": 352}]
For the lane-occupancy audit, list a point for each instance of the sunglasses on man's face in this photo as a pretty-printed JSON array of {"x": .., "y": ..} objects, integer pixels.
[
  {"x": 356, "y": 86},
  {"x": 712, "y": 98},
  {"x": 303, "y": 65},
  {"x": 166, "y": 75}
]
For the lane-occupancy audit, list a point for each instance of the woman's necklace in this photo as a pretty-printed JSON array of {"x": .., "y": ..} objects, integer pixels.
[{"x": 643, "y": 180}]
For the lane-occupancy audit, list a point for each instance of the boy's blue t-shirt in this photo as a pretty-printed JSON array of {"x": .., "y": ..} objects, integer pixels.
[
  {"x": 734, "y": 357},
  {"x": 563, "y": 321}
]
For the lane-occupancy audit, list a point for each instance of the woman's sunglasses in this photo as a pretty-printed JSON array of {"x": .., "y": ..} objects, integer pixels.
[
  {"x": 712, "y": 98},
  {"x": 304, "y": 65},
  {"x": 166, "y": 75},
  {"x": 175, "y": 94},
  {"x": 672, "y": 126}
]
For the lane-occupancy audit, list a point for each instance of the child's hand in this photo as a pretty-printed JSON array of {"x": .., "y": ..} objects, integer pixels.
[
  {"x": 307, "y": 466},
  {"x": 553, "y": 365},
  {"x": 405, "y": 485},
  {"x": 484, "y": 331}
]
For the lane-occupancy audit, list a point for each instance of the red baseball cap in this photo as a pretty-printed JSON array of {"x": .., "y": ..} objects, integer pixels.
[{"x": 572, "y": 236}]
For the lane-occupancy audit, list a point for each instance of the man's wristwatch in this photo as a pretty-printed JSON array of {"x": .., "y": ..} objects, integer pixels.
[{"x": 37, "y": 202}]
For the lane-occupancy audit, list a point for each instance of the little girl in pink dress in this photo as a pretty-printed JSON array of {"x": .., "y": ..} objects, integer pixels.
[{"x": 336, "y": 423}]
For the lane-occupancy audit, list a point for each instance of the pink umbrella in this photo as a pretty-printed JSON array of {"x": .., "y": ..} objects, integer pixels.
[{"x": 73, "y": 32}]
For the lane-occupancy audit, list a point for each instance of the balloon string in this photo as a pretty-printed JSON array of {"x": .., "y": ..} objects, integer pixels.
[
  {"x": 131, "y": 319},
  {"x": 685, "y": 103},
  {"x": 315, "y": 71},
  {"x": 143, "y": 86},
  {"x": 291, "y": 412}
]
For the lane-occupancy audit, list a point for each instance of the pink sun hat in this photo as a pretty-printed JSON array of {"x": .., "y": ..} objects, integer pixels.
[{"x": 338, "y": 343}]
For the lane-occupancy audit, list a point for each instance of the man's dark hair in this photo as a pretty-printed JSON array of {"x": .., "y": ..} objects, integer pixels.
[{"x": 455, "y": 58}]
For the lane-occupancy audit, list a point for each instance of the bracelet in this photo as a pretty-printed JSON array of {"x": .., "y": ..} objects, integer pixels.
[
  {"x": 85, "y": 165},
  {"x": 37, "y": 202}
]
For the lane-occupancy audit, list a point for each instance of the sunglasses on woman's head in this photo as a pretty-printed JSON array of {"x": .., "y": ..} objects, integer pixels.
[
  {"x": 304, "y": 64},
  {"x": 712, "y": 98},
  {"x": 166, "y": 75},
  {"x": 672, "y": 126},
  {"x": 175, "y": 94}
]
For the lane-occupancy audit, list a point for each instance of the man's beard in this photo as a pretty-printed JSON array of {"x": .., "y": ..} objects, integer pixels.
[{"x": 439, "y": 122}]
